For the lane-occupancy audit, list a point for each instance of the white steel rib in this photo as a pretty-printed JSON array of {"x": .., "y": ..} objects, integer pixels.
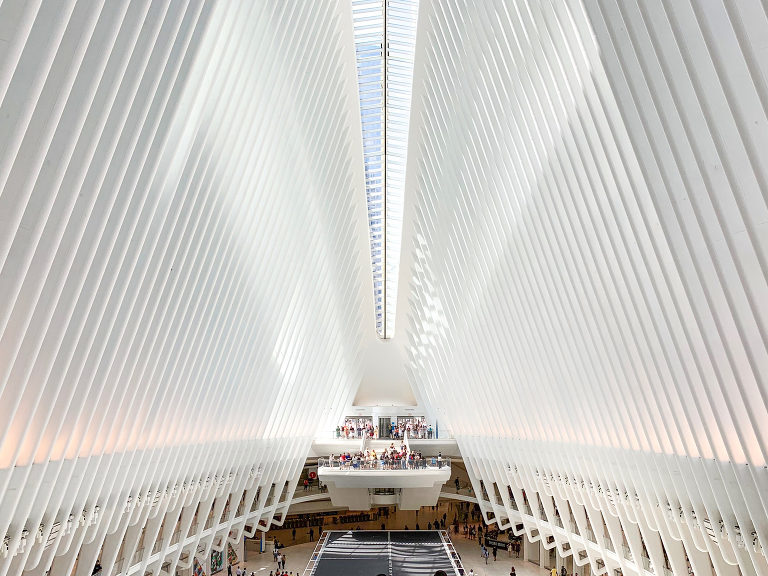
[{"x": 186, "y": 289}]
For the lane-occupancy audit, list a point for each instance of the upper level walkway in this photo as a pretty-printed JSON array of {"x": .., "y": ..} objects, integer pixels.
[
  {"x": 370, "y": 464},
  {"x": 324, "y": 447}
]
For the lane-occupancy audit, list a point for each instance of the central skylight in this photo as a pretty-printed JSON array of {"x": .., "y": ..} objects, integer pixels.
[{"x": 385, "y": 79}]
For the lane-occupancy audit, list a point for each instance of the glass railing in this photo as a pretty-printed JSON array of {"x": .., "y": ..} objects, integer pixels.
[
  {"x": 338, "y": 435},
  {"x": 428, "y": 463},
  {"x": 422, "y": 434}
]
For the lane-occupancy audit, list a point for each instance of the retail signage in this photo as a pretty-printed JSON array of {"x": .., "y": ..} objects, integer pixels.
[{"x": 494, "y": 543}]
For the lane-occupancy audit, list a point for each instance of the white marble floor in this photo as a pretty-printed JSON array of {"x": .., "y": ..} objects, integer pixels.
[
  {"x": 470, "y": 558},
  {"x": 296, "y": 559}
]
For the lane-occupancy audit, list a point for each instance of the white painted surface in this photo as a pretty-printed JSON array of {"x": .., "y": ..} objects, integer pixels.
[{"x": 185, "y": 297}]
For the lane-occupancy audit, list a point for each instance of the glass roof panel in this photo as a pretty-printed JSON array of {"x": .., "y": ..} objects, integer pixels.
[{"x": 385, "y": 82}]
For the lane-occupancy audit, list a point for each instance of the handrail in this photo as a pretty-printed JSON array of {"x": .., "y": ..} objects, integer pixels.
[
  {"x": 313, "y": 559},
  {"x": 453, "y": 556},
  {"x": 428, "y": 463}
]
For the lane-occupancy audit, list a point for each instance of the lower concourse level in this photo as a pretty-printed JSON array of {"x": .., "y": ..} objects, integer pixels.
[{"x": 300, "y": 534}]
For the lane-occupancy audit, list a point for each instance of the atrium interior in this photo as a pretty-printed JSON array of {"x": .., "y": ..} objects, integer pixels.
[{"x": 394, "y": 287}]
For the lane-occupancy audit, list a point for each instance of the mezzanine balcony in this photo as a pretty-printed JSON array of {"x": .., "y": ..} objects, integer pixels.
[{"x": 361, "y": 483}]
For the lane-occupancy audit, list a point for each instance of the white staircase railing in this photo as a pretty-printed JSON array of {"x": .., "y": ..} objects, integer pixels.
[
  {"x": 315, "y": 557},
  {"x": 452, "y": 554}
]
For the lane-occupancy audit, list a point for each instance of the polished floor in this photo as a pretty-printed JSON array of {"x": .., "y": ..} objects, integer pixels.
[
  {"x": 299, "y": 550},
  {"x": 298, "y": 556}
]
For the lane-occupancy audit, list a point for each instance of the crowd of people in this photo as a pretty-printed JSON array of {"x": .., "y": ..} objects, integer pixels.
[
  {"x": 388, "y": 459},
  {"x": 415, "y": 427},
  {"x": 280, "y": 571},
  {"x": 357, "y": 428}
]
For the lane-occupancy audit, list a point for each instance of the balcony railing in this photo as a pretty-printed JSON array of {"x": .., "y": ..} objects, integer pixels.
[{"x": 429, "y": 463}]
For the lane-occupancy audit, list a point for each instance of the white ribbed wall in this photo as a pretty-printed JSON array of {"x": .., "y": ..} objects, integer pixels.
[
  {"x": 185, "y": 287},
  {"x": 184, "y": 271},
  {"x": 589, "y": 241}
]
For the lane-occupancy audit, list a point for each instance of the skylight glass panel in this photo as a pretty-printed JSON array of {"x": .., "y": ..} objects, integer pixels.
[{"x": 385, "y": 80}]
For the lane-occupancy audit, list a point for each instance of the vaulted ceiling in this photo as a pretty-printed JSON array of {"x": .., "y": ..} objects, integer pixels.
[{"x": 186, "y": 296}]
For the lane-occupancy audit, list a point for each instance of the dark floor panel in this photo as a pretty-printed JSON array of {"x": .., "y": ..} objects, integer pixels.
[
  {"x": 364, "y": 553},
  {"x": 426, "y": 536},
  {"x": 420, "y": 566},
  {"x": 419, "y": 558},
  {"x": 367, "y": 546},
  {"x": 359, "y": 535},
  {"x": 352, "y": 567}
]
